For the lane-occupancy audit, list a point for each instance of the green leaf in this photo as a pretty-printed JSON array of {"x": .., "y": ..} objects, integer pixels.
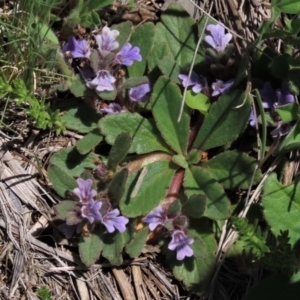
[
  {"x": 226, "y": 119},
  {"x": 119, "y": 149},
  {"x": 71, "y": 161},
  {"x": 95, "y": 18},
  {"x": 180, "y": 161},
  {"x": 79, "y": 116},
  {"x": 90, "y": 249},
  {"x": 288, "y": 6},
  {"x": 62, "y": 182},
  {"x": 63, "y": 208},
  {"x": 156, "y": 54},
  {"x": 282, "y": 207},
  {"x": 196, "y": 271},
  {"x": 96, "y": 4},
  {"x": 78, "y": 87},
  {"x": 170, "y": 68},
  {"x": 89, "y": 142},
  {"x": 200, "y": 181},
  {"x": 197, "y": 101},
  {"x": 134, "y": 81},
  {"x": 124, "y": 29},
  {"x": 142, "y": 36},
  {"x": 166, "y": 102},
  {"x": 193, "y": 157},
  {"x": 108, "y": 95},
  {"x": 233, "y": 169},
  {"x": 195, "y": 206},
  {"x": 145, "y": 136},
  {"x": 116, "y": 187},
  {"x": 136, "y": 245},
  {"x": 289, "y": 112},
  {"x": 138, "y": 201},
  {"x": 179, "y": 31},
  {"x": 47, "y": 33}
]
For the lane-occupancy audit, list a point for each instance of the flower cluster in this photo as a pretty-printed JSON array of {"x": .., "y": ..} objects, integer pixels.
[
  {"x": 272, "y": 99},
  {"x": 100, "y": 74},
  {"x": 218, "y": 40},
  {"x": 177, "y": 228}
]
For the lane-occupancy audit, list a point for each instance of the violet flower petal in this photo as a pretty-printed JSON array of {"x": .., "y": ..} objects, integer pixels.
[
  {"x": 77, "y": 48},
  {"x": 127, "y": 55},
  {"x": 112, "y": 220},
  {"x": 84, "y": 191},
  {"x": 155, "y": 218},
  {"x": 180, "y": 242},
  {"x": 252, "y": 118},
  {"x": 139, "y": 93},
  {"x": 102, "y": 82},
  {"x": 197, "y": 82},
  {"x": 91, "y": 211},
  {"x": 112, "y": 108},
  {"x": 281, "y": 130},
  {"x": 268, "y": 95},
  {"x": 218, "y": 39},
  {"x": 219, "y": 87},
  {"x": 107, "y": 40}
]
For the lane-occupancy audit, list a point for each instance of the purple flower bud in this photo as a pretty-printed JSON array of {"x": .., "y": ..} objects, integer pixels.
[
  {"x": 274, "y": 99},
  {"x": 139, "y": 93},
  {"x": 84, "y": 191},
  {"x": 197, "y": 82},
  {"x": 102, "y": 82},
  {"x": 91, "y": 211},
  {"x": 180, "y": 242},
  {"x": 252, "y": 118},
  {"x": 107, "y": 41},
  {"x": 219, "y": 87},
  {"x": 126, "y": 56},
  {"x": 77, "y": 48},
  {"x": 113, "y": 221},
  {"x": 281, "y": 129},
  {"x": 218, "y": 39},
  {"x": 112, "y": 108},
  {"x": 155, "y": 218}
]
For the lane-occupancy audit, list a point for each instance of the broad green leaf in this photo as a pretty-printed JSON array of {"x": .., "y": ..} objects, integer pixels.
[
  {"x": 136, "y": 245},
  {"x": 145, "y": 136},
  {"x": 233, "y": 169},
  {"x": 119, "y": 149},
  {"x": 134, "y": 81},
  {"x": 90, "y": 249},
  {"x": 79, "y": 116},
  {"x": 89, "y": 142},
  {"x": 197, "y": 101},
  {"x": 179, "y": 31},
  {"x": 289, "y": 112},
  {"x": 116, "y": 187},
  {"x": 108, "y": 95},
  {"x": 170, "y": 68},
  {"x": 95, "y": 18},
  {"x": 193, "y": 157},
  {"x": 288, "y": 6},
  {"x": 226, "y": 119},
  {"x": 195, "y": 206},
  {"x": 47, "y": 33},
  {"x": 142, "y": 36},
  {"x": 62, "y": 182},
  {"x": 141, "y": 199},
  {"x": 180, "y": 160},
  {"x": 166, "y": 102},
  {"x": 71, "y": 161},
  {"x": 156, "y": 54},
  {"x": 196, "y": 271},
  {"x": 78, "y": 87},
  {"x": 282, "y": 207},
  {"x": 124, "y": 33},
  {"x": 200, "y": 181},
  {"x": 63, "y": 208}
]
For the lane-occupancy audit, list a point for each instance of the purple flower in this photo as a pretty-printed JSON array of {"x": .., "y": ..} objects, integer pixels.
[
  {"x": 107, "y": 41},
  {"x": 112, "y": 108},
  {"x": 219, "y": 87},
  {"x": 113, "y": 221},
  {"x": 252, "y": 118},
  {"x": 281, "y": 129},
  {"x": 139, "y": 93},
  {"x": 91, "y": 211},
  {"x": 78, "y": 48},
  {"x": 197, "y": 82},
  {"x": 102, "y": 82},
  {"x": 274, "y": 99},
  {"x": 155, "y": 218},
  {"x": 218, "y": 39},
  {"x": 84, "y": 191},
  {"x": 126, "y": 56},
  {"x": 180, "y": 242}
]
